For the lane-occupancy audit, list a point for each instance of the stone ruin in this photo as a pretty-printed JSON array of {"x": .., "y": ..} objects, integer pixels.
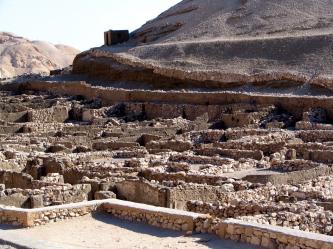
[
  {"x": 209, "y": 118},
  {"x": 258, "y": 163}
]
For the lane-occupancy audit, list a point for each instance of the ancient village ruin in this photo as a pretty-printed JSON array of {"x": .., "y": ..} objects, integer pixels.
[{"x": 245, "y": 153}]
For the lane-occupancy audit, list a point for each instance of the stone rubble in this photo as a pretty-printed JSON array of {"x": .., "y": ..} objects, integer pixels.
[{"x": 255, "y": 163}]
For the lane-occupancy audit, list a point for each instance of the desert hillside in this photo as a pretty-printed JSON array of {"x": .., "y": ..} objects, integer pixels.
[
  {"x": 229, "y": 41},
  {"x": 229, "y": 19},
  {"x": 19, "y": 56}
]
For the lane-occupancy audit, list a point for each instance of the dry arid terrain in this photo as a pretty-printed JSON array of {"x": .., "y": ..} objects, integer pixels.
[
  {"x": 214, "y": 120},
  {"x": 21, "y": 56},
  {"x": 218, "y": 42}
]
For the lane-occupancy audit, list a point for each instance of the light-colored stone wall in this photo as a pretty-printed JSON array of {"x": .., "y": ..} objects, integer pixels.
[
  {"x": 300, "y": 215},
  {"x": 267, "y": 236},
  {"x": 272, "y": 237},
  {"x": 49, "y": 115},
  {"x": 156, "y": 216}
]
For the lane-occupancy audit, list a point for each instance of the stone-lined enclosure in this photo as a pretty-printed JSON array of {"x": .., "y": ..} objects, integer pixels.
[
  {"x": 264, "y": 160},
  {"x": 265, "y": 235}
]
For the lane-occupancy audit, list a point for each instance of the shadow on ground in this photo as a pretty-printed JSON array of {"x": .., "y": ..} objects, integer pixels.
[
  {"x": 208, "y": 240},
  {"x": 8, "y": 227}
]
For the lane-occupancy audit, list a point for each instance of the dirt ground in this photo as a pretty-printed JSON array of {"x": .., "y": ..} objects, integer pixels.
[{"x": 102, "y": 232}]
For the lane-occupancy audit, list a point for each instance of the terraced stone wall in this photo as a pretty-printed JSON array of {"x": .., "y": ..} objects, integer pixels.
[{"x": 204, "y": 100}]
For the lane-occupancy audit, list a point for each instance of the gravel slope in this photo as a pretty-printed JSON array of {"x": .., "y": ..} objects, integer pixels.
[
  {"x": 231, "y": 41},
  {"x": 229, "y": 19}
]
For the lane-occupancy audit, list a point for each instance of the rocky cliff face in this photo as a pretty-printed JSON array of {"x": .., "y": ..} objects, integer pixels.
[{"x": 19, "y": 56}]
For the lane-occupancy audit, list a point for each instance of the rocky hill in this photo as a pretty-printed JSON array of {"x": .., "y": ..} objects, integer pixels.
[
  {"x": 19, "y": 56},
  {"x": 230, "y": 19},
  {"x": 229, "y": 41}
]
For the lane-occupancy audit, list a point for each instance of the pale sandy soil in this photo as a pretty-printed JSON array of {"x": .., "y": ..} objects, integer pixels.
[{"x": 102, "y": 231}]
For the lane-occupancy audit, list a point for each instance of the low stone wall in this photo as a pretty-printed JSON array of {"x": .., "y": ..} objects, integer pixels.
[
  {"x": 304, "y": 125},
  {"x": 323, "y": 156},
  {"x": 175, "y": 145},
  {"x": 156, "y": 216},
  {"x": 179, "y": 196},
  {"x": 265, "y": 235},
  {"x": 113, "y": 145},
  {"x": 269, "y": 236},
  {"x": 291, "y": 177},
  {"x": 49, "y": 115},
  {"x": 237, "y": 133},
  {"x": 134, "y": 153},
  {"x": 302, "y": 149},
  {"x": 42, "y": 216},
  {"x": 315, "y": 135},
  {"x": 294, "y": 165},
  {"x": 300, "y": 215},
  {"x": 192, "y": 159},
  {"x": 231, "y": 153},
  {"x": 206, "y": 136},
  {"x": 13, "y": 216},
  {"x": 267, "y": 147},
  {"x": 48, "y": 195},
  {"x": 158, "y": 176}
]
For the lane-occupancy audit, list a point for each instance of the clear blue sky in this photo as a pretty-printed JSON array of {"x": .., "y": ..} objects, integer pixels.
[{"x": 78, "y": 23}]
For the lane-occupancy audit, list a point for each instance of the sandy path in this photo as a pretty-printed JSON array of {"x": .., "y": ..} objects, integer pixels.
[{"x": 102, "y": 231}]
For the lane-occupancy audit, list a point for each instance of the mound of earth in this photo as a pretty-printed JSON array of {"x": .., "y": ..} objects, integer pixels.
[
  {"x": 224, "y": 41},
  {"x": 20, "y": 56}
]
